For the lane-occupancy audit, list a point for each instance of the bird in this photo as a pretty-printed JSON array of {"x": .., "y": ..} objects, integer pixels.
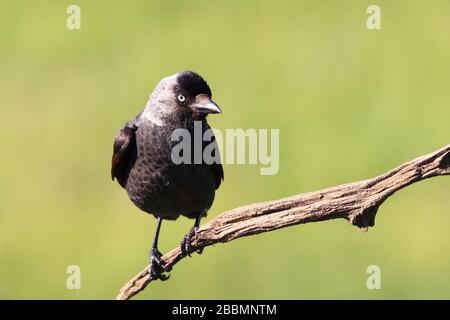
[{"x": 143, "y": 165}]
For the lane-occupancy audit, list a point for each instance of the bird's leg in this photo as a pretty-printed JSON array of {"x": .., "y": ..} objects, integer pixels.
[
  {"x": 186, "y": 247},
  {"x": 157, "y": 267}
]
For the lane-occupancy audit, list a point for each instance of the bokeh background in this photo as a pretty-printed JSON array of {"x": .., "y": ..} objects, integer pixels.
[{"x": 350, "y": 104}]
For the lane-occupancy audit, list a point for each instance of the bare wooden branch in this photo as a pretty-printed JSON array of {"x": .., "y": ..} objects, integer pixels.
[{"x": 356, "y": 202}]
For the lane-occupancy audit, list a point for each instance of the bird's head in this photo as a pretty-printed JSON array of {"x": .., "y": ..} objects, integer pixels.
[{"x": 183, "y": 94}]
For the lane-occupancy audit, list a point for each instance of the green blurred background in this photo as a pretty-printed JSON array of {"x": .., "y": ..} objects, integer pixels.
[{"x": 350, "y": 104}]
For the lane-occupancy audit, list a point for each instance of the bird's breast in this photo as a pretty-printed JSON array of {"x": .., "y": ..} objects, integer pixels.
[{"x": 157, "y": 185}]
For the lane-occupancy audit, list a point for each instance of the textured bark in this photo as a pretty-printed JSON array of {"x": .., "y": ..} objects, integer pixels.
[{"x": 356, "y": 202}]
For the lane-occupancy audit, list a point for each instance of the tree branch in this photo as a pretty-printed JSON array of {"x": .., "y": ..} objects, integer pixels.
[{"x": 356, "y": 202}]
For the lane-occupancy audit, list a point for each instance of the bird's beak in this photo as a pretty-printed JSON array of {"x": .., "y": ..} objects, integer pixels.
[{"x": 204, "y": 104}]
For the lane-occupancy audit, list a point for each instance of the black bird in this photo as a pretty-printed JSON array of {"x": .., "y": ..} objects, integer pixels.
[{"x": 143, "y": 165}]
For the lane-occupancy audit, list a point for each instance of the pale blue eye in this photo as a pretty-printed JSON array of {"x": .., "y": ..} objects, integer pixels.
[{"x": 181, "y": 98}]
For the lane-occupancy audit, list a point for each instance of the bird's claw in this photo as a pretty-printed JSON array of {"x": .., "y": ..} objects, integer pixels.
[
  {"x": 186, "y": 246},
  {"x": 157, "y": 266}
]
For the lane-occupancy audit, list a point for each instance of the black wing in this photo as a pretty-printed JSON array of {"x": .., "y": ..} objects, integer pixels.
[{"x": 124, "y": 154}]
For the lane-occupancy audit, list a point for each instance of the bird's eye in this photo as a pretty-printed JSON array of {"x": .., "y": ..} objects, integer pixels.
[{"x": 181, "y": 98}]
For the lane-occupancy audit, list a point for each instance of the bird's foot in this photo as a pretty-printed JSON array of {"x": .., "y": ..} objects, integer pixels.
[
  {"x": 186, "y": 246},
  {"x": 157, "y": 266}
]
